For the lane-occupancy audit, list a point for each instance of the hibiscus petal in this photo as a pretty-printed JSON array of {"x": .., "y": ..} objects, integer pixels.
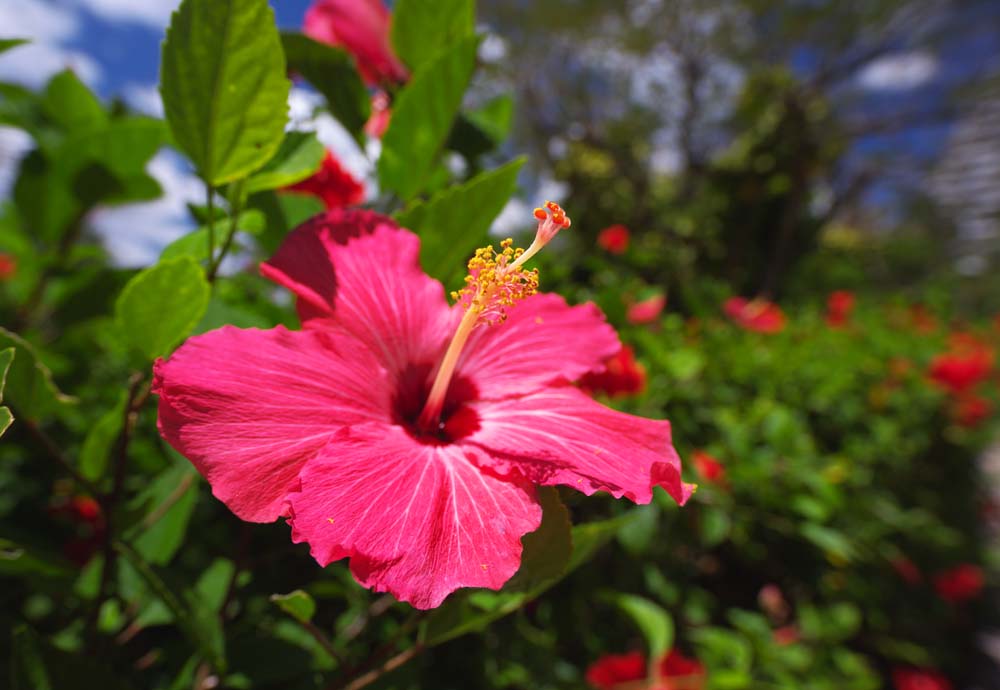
[
  {"x": 561, "y": 436},
  {"x": 359, "y": 271},
  {"x": 417, "y": 520},
  {"x": 543, "y": 340},
  {"x": 249, "y": 407}
]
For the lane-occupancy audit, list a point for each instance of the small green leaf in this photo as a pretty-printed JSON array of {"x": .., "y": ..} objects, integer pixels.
[
  {"x": 168, "y": 504},
  {"x": 9, "y": 43},
  {"x": 421, "y": 29},
  {"x": 225, "y": 93},
  {"x": 299, "y": 156},
  {"x": 654, "y": 622},
  {"x": 29, "y": 387},
  {"x": 160, "y": 305},
  {"x": 422, "y": 116},
  {"x": 97, "y": 445},
  {"x": 298, "y": 604},
  {"x": 199, "y": 624},
  {"x": 449, "y": 233},
  {"x": 332, "y": 72},
  {"x": 69, "y": 104},
  {"x": 195, "y": 243},
  {"x": 6, "y": 418},
  {"x": 494, "y": 118}
]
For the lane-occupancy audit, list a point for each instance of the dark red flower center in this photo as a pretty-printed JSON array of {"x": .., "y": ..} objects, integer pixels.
[{"x": 457, "y": 420}]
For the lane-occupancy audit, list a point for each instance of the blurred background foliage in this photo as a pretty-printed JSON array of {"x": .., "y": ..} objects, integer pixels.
[{"x": 788, "y": 209}]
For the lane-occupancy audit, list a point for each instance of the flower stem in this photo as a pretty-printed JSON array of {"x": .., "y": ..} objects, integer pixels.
[{"x": 430, "y": 417}]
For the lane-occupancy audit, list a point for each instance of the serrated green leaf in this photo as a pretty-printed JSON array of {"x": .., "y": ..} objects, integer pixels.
[
  {"x": 448, "y": 233},
  {"x": 298, "y": 604},
  {"x": 421, "y": 29},
  {"x": 160, "y": 305},
  {"x": 97, "y": 445},
  {"x": 225, "y": 93},
  {"x": 422, "y": 116},
  {"x": 652, "y": 620},
  {"x": 332, "y": 72},
  {"x": 299, "y": 156},
  {"x": 29, "y": 387}
]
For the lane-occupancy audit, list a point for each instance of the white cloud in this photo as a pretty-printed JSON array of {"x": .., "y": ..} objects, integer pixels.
[
  {"x": 302, "y": 105},
  {"x": 153, "y": 13},
  {"x": 145, "y": 98},
  {"x": 48, "y": 27},
  {"x": 40, "y": 21},
  {"x": 136, "y": 234},
  {"x": 14, "y": 143},
  {"x": 899, "y": 72}
]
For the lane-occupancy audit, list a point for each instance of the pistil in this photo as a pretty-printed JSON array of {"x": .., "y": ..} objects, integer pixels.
[{"x": 496, "y": 281}]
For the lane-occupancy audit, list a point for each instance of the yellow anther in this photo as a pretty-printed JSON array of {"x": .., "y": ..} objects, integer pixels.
[{"x": 493, "y": 283}]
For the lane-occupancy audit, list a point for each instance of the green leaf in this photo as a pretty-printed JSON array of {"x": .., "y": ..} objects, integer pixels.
[
  {"x": 8, "y": 43},
  {"x": 6, "y": 357},
  {"x": 449, "y": 233},
  {"x": 422, "y": 116},
  {"x": 299, "y": 156},
  {"x": 160, "y": 305},
  {"x": 547, "y": 550},
  {"x": 283, "y": 212},
  {"x": 37, "y": 665},
  {"x": 29, "y": 387},
  {"x": 225, "y": 93},
  {"x": 68, "y": 103},
  {"x": 654, "y": 622},
  {"x": 298, "y": 604},
  {"x": 97, "y": 445},
  {"x": 169, "y": 502},
  {"x": 472, "y": 610},
  {"x": 195, "y": 243},
  {"x": 421, "y": 29},
  {"x": 494, "y": 118},
  {"x": 199, "y": 623},
  {"x": 332, "y": 72}
]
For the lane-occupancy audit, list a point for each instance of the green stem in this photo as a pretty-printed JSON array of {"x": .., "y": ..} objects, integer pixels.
[
  {"x": 235, "y": 208},
  {"x": 210, "y": 202}
]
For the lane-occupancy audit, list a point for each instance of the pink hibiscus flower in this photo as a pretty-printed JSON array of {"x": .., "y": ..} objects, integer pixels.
[
  {"x": 401, "y": 432},
  {"x": 362, "y": 28},
  {"x": 757, "y": 315}
]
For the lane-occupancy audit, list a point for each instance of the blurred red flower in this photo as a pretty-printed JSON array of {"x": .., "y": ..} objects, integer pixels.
[
  {"x": 362, "y": 28},
  {"x": 8, "y": 266},
  {"x": 378, "y": 121},
  {"x": 970, "y": 410},
  {"x": 919, "y": 679},
  {"x": 757, "y": 315},
  {"x": 961, "y": 583},
  {"x": 333, "y": 185},
  {"x": 967, "y": 362},
  {"x": 710, "y": 469},
  {"x": 622, "y": 375},
  {"x": 620, "y": 671},
  {"x": 786, "y": 635},
  {"x": 647, "y": 310},
  {"x": 614, "y": 239},
  {"x": 839, "y": 306},
  {"x": 907, "y": 570}
]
